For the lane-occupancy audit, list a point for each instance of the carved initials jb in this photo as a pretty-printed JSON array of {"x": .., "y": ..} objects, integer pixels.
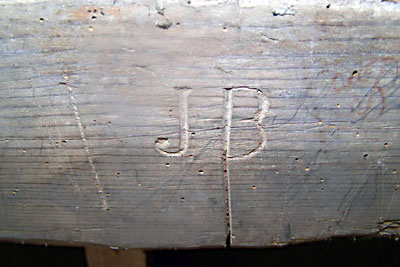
[{"x": 162, "y": 144}]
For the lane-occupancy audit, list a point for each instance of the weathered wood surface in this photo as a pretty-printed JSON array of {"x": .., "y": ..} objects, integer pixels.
[{"x": 198, "y": 123}]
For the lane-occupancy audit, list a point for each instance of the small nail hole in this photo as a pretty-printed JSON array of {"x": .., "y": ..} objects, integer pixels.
[
  {"x": 355, "y": 73},
  {"x": 15, "y": 191},
  {"x": 365, "y": 156},
  {"x": 254, "y": 187},
  {"x": 166, "y": 164},
  {"x": 118, "y": 174},
  {"x": 201, "y": 172},
  {"x": 338, "y": 105},
  {"x": 306, "y": 169}
]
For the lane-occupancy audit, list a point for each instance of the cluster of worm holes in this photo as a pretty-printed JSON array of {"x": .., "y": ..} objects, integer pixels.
[
  {"x": 307, "y": 169},
  {"x": 201, "y": 172},
  {"x": 94, "y": 15}
]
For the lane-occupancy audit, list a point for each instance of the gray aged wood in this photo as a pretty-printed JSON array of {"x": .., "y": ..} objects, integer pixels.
[{"x": 198, "y": 123}]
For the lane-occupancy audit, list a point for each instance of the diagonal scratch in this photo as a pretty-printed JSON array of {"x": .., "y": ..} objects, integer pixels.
[{"x": 99, "y": 187}]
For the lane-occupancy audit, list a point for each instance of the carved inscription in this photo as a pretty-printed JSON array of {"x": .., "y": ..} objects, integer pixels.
[
  {"x": 257, "y": 120},
  {"x": 162, "y": 144}
]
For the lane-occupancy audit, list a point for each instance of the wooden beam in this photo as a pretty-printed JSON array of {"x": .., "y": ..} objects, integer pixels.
[{"x": 198, "y": 123}]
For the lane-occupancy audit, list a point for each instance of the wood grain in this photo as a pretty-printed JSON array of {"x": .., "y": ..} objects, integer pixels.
[{"x": 198, "y": 123}]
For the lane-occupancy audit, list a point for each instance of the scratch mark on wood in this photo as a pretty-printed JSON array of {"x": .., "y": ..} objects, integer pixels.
[
  {"x": 369, "y": 172},
  {"x": 96, "y": 178},
  {"x": 376, "y": 71},
  {"x": 395, "y": 191}
]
